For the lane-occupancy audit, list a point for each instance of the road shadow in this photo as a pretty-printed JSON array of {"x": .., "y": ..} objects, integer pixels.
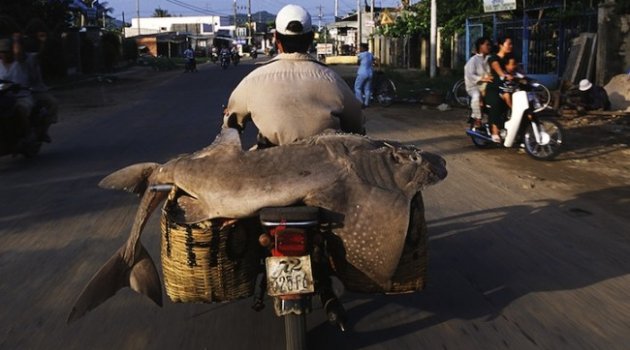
[{"x": 483, "y": 261}]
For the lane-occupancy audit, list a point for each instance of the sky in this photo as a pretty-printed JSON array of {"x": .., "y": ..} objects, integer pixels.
[{"x": 225, "y": 7}]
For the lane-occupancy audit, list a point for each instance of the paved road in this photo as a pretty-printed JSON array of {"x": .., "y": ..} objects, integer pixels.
[{"x": 513, "y": 264}]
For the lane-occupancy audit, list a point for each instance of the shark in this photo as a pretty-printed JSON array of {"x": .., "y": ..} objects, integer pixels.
[{"x": 368, "y": 184}]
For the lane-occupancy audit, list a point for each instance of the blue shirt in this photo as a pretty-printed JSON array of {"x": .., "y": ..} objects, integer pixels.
[{"x": 366, "y": 60}]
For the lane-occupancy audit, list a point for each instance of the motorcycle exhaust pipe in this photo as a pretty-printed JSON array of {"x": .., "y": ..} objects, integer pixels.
[{"x": 475, "y": 133}]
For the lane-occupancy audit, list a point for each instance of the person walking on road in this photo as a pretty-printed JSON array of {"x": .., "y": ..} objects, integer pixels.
[
  {"x": 476, "y": 75},
  {"x": 363, "y": 83}
]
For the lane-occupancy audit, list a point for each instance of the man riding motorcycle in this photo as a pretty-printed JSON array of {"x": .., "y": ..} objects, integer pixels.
[
  {"x": 16, "y": 72},
  {"x": 293, "y": 96}
]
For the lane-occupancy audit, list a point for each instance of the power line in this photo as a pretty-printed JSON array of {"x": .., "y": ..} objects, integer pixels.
[{"x": 193, "y": 8}]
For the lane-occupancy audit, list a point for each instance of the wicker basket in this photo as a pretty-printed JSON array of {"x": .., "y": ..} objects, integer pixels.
[{"x": 208, "y": 261}]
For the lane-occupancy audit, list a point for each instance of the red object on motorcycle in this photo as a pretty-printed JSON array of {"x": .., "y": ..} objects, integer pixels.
[{"x": 289, "y": 241}]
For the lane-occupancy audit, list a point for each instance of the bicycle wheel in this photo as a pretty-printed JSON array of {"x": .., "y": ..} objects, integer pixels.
[
  {"x": 543, "y": 95},
  {"x": 460, "y": 96},
  {"x": 385, "y": 92}
]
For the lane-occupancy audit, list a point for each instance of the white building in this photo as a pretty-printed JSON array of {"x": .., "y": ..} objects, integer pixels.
[{"x": 197, "y": 25}]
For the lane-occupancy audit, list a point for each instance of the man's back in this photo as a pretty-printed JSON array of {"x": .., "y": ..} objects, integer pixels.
[
  {"x": 294, "y": 97},
  {"x": 366, "y": 61}
]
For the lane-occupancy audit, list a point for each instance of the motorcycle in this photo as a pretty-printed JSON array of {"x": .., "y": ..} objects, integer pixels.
[
  {"x": 214, "y": 57},
  {"x": 253, "y": 53},
  {"x": 190, "y": 65},
  {"x": 225, "y": 61},
  {"x": 236, "y": 58},
  {"x": 296, "y": 270},
  {"x": 529, "y": 123},
  {"x": 10, "y": 142}
]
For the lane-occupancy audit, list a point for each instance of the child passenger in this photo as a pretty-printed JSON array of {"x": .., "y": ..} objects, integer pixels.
[{"x": 506, "y": 93}]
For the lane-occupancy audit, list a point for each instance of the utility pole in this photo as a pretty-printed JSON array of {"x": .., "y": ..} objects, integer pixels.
[
  {"x": 235, "y": 35},
  {"x": 336, "y": 9},
  {"x": 249, "y": 22},
  {"x": 123, "y": 25},
  {"x": 372, "y": 18},
  {"x": 319, "y": 23},
  {"x": 433, "y": 40},
  {"x": 138, "y": 12},
  {"x": 360, "y": 24}
]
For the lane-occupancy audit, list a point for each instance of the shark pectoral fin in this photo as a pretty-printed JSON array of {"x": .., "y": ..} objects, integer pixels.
[
  {"x": 144, "y": 278},
  {"x": 131, "y": 179},
  {"x": 190, "y": 210},
  {"x": 115, "y": 275}
]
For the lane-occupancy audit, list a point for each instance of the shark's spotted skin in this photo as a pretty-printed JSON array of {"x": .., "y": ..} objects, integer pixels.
[{"x": 367, "y": 186}]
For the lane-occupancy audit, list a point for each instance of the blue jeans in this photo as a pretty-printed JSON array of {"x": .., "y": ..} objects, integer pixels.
[{"x": 363, "y": 88}]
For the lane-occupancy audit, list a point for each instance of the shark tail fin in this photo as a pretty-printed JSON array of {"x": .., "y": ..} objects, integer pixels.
[
  {"x": 116, "y": 274},
  {"x": 131, "y": 179}
]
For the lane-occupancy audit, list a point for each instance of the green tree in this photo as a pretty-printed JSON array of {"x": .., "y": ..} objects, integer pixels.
[
  {"x": 53, "y": 13},
  {"x": 159, "y": 12}
]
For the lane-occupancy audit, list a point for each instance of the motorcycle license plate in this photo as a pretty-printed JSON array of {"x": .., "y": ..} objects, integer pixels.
[{"x": 289, "y": 275}]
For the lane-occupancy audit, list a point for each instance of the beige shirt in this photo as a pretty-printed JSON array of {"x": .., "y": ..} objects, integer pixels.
[{"x": 292, "y": 97}]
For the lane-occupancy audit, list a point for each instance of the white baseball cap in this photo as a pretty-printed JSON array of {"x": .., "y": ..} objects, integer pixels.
[
  {"x": 585, "y": 85},
  {"x": 293, "y": 13}
]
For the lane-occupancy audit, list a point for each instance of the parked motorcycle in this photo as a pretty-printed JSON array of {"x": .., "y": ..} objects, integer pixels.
[
  {"x": 529, "y": 124},
  {"x": 296, "y": 270},
  {"x": 11, "y": 140}
]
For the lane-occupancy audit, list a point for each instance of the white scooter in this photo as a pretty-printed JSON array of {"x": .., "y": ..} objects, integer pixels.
[{"x": 528, "y": 125}]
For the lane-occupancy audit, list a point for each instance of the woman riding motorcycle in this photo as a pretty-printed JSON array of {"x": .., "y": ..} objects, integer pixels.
[{"x": 497, "y": 108}]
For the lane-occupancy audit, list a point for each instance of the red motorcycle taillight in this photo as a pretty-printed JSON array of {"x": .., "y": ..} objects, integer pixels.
[{"x": 290, "y": 242}]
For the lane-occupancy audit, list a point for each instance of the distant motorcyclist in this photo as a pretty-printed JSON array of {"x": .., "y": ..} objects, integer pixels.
[
  {"x": 293, "y": 96},
  {"x": 234, "y": 54},
  {"x": 22, "y": 69},
  {"x": 225, "y": 51},
  {"x": 224, "y": 57},
  {"x": 16, "y": 71},
  {"x": 189, "y": 55},
  {"x": 214, "y": 55}
]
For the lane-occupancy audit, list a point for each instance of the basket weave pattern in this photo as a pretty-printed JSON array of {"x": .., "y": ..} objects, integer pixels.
[{"x": 208, "y": 261}]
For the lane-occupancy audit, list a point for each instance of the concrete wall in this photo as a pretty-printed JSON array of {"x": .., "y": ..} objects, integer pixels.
[{"x": 613, "y": 44}]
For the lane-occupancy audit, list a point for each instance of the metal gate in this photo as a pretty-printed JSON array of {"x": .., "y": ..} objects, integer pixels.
[{"x": 541, "y": 43}]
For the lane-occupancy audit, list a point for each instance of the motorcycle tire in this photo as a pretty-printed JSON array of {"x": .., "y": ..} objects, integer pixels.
[
  {"x": 295, "y": 331},
  {"x": 551, "y": 143}
]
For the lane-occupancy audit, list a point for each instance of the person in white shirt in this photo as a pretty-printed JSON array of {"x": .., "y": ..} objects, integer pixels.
[
  {"x": 14, "y": 68},
  {"x": 476, "y": 74}
]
